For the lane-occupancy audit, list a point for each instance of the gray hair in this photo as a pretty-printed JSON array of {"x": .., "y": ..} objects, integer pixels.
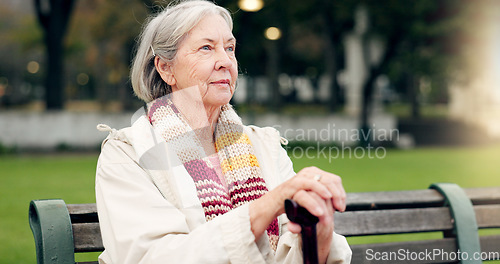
[{"x": 161, "y": 36}]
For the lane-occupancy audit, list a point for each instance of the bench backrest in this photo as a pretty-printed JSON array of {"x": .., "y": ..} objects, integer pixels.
[{"x": 63, "y": 230}]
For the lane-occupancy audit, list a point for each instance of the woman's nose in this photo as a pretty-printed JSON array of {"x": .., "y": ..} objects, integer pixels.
[{"x": 223, "y": 60}]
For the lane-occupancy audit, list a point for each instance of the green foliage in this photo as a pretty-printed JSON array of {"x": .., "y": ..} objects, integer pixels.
[
  {"x": 425, "y": 35},
  {"x": 102, "y": 35},
  {"x": 5, "y": 150},
  {"x": 26, "y": 32}
]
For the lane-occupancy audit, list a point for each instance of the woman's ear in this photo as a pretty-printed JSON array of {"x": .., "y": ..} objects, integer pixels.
[{"x": 165, "y": 71}]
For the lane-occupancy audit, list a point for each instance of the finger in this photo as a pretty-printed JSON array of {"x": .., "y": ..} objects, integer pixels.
[
  {"x": 329, "y": 207},
  {"x": 293, "y": 227},
  {"x": 305, "y": 182},
  {"x": 340, "y": 202},
  {"x": 330, "y": 220},
  {"x": 326, "y": 225},
  {"x": 339, "y": 194},
  {"x": 311, "y": 202},
  {"x": 334, "y": 185},
  {"x": 327, "y": 217}
]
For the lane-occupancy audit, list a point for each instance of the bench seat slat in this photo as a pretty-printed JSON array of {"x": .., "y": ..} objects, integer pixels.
[
  {"x": 87, "y": 237},
  {"x": 416, "y": 198},
  {"x": 393, "y": 199},
  {"x": 393, "y": 221},
  {"x": 490, "y": 244},
  {"x": 82, "y": 208},
  {"x": 488, "y": 216},
  {"x": 487, "y": 195},
  {"x": 83, "y": 213}
]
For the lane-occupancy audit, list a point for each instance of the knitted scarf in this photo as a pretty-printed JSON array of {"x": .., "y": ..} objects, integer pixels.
[{"x": 238, "y": 162}]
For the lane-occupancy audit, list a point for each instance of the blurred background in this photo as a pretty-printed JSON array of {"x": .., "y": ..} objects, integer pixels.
[
  {"x": 421, "y": 78},
  {"x": 430, "y": 69}
]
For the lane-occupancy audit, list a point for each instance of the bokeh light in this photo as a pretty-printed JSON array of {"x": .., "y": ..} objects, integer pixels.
[
  {"x": 273, "y": 33},
  {"x": 251, "y": 5},
  {"x": 33, "y": 67},
  {"x": 3, "y": 85},
  {"x": 82, "y": 78}
]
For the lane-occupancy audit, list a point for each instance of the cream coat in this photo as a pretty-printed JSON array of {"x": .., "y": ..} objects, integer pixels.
[{"x": 149, "y": 211}]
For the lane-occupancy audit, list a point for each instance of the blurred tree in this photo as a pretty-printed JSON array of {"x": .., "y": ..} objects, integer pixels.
[
  {"x": 114, "y": 45},
  {"x": 415, "y": 33},
  {"x": 417, "y": 36},
  {"x": 155, "y": 6},
  {"x": 310, "y": 44},
  {"x": 319, "y": 26},
  {"x": 18, "y": 48},
  {"x": 101, "y": 43},
  {"x": 53, "y": 16}
]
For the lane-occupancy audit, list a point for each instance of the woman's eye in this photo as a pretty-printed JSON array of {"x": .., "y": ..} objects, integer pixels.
[
  {"x": 206, "y": 47},
  {"x": 231, "y": 49}
]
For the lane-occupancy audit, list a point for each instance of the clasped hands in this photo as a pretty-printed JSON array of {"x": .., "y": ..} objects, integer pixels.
[
  {"x": 321, "y": 193},
  {"x": 318, "y": 191}
]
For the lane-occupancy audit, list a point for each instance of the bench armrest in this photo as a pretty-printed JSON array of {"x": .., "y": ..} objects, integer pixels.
[{"x": 51, "y": 226}]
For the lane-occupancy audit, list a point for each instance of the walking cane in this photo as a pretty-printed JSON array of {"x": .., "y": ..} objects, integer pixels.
[{"x": 307, "y": 222}]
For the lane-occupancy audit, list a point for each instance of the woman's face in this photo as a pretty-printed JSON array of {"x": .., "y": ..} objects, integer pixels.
[{"x": 206, "y": 58}]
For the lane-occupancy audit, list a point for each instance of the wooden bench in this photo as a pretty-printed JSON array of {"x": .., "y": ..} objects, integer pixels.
[{"x": 62, "y": 230}]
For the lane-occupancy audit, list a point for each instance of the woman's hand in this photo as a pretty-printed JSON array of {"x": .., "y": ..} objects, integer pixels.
[
  {"x": 320, "y": 192},
  {"x": 321, "y": 207},
  {"x": 324, "y": 228},
  {"x": 326, "y": 185}
]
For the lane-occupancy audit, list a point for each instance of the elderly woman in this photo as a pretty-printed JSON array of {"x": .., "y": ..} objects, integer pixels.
[{"x": 187, "y": 182}]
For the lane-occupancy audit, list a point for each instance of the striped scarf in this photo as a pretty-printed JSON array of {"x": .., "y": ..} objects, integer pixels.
[{"x": 238, "y": 162}]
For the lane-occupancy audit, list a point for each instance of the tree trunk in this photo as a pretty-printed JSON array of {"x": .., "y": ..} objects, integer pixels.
[
  {"x": 373, "y": 72},
  {"x": 330, "y": 54},
  {"x": 100, "y": 74},
  {"x": 272, "y": 74},
  {"x": 54, "y": 80},
  {"x": 53, "y": 16},
  {"x": 413, "y": 94}
]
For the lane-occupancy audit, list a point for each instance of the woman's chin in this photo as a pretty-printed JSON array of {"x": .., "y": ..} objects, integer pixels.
[
  {"x": 220, "y": 98},
  {"x": 218, "y": 102}
]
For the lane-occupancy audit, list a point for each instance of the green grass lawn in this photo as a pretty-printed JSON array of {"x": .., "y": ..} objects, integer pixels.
[
  {"x": 415, "y": 169},
  {"x": 71, "y": 177},
  {"x": 27, "y": 178}
]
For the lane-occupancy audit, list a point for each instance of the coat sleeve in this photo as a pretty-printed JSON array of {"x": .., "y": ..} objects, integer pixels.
[
  {"x": 289, "y": 246},
  {"x": 139, "y": 225}
]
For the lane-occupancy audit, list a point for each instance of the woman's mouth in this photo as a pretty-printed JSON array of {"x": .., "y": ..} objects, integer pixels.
[{"x": 221, "y": 82}]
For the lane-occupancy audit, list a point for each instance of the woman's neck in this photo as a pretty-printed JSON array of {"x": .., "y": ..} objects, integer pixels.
[
  {"x": 206, "y": 133},
  {"x": 201, "y": 118},
  {"x": 213, "y": 113}
]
